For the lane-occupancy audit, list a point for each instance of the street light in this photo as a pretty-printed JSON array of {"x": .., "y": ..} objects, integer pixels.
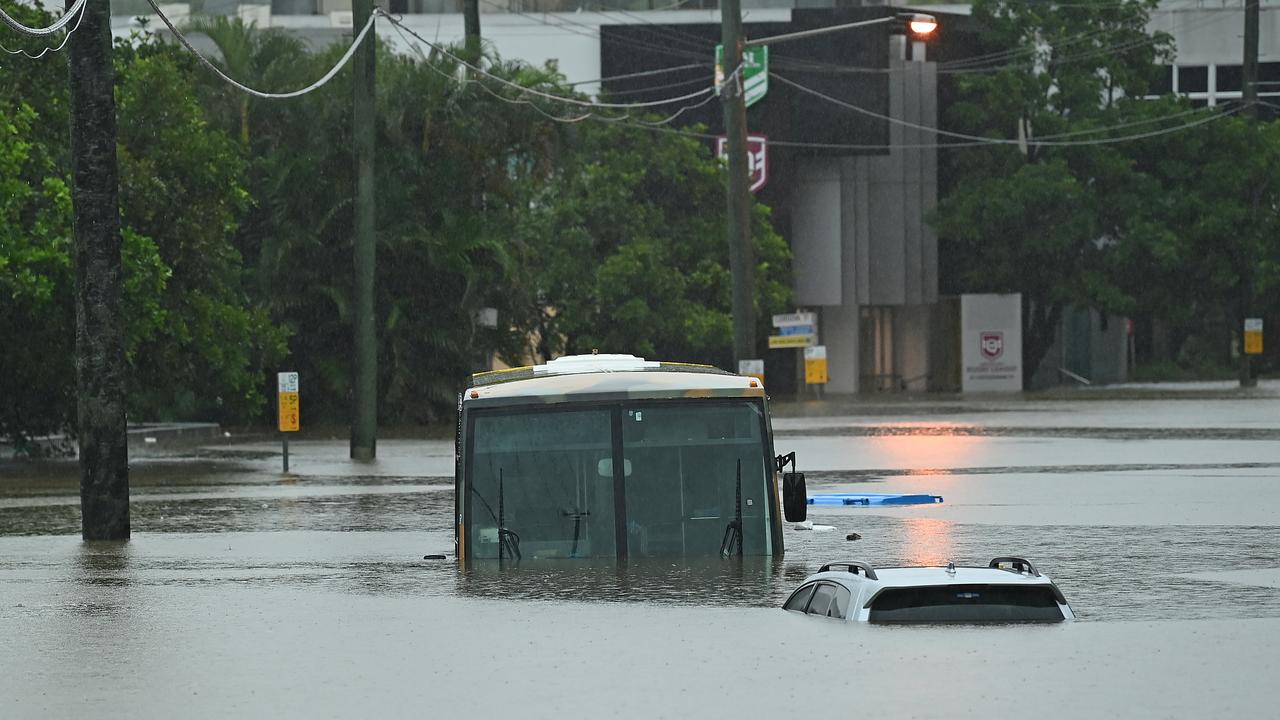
[
  {"x": 921, "y": 24},
  {"x": 741, "y": 262}
]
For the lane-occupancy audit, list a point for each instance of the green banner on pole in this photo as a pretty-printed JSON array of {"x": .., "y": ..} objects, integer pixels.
[{"x": 755, "y": 71}]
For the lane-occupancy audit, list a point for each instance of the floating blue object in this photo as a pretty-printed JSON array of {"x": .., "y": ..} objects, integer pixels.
[{"x": 873, "y": 499}]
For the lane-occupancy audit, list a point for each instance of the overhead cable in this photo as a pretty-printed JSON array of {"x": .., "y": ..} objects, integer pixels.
[
  {"x": 50, "y": 48},
  {"x": 571, "y": 119},
  {"x": 57, "y": 25},
  {"x": 537, "y": 93},
  {"x": 346, "y": 57},
  {"x": 645, "y": 73},
  {"x": 979, "y": 139}
]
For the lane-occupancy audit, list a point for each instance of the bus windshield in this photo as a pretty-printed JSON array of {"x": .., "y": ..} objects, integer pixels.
[{"x": 552, "y": 477}]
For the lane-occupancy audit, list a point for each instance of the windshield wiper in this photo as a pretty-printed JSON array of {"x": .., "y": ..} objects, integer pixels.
[
  {"x": 577, "y": 516},
  {"x": 508, "y": 540},
  {"x": 731, "y": 545}
]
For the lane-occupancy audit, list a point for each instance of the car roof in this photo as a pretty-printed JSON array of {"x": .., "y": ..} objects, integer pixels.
[
  {"x": 593, "y": 377},
  {"x": 928, "y": 576}
]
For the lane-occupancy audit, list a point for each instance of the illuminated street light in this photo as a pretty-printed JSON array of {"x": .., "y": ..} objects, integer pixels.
[{"x": 920, "y": 23}]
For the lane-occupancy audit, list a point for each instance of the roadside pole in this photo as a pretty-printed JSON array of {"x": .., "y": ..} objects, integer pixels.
[
  {"x": 1249, "y": 92},
  {"x": 741, "y": 256},
  {"x": 99, "y": 355},
  {"x": 364, "y": 420},
  {"x": 471, "y": 29}
]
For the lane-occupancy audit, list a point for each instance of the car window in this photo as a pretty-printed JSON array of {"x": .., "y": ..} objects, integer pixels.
[
  {"x": 800, "y": 598},
  {"x": 967, "y": 603},
  {"x": 821, "y": 599},
  {"x": 841, "y": 604}
]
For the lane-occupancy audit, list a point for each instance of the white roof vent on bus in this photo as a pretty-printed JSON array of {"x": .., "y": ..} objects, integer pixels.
[{"x": 572, "y": 364}]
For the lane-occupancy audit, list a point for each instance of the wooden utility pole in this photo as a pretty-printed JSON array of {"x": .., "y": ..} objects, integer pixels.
[
  {"x": 364, "y": 421},
  {"x": 741, "y": 255},
  {"x": 1249, "y": 95},
  {"x": 100, "y": 358},
  {"x": 471, "y": 28}
]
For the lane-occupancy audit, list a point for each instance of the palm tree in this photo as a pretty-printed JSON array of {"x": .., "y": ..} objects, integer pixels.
[{"x": 257, "y": 58}]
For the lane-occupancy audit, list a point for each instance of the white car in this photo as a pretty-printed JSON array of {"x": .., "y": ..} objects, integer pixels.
[{"x": 1008, "y": 589}]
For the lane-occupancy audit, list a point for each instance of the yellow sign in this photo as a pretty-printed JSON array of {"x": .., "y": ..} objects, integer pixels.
[
  {"x": 815, "y": 365},
  {"x": 1253, "y": 336},
  {"x": 289, "y": 418},
  {"x": 790, "y": 341}
]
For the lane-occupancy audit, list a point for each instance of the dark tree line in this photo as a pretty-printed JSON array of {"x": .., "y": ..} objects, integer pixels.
[{"x": 237, "y": 227}]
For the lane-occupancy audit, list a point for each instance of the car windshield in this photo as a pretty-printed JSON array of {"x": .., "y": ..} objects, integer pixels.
[
  {"x": 966, "y": 603},
  {"x": 549, "y": 475}
]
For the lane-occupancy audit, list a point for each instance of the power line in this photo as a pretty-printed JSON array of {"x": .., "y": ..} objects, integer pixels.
[
  {"x": 644, "y": 73},
  {"x": 1045, "y": 141},
  {"x": 589, "y": 31},
  {"x": 57, "y": 25},
  {"x": 50, "y": 48},
  {"x": 346, "y": 57},
  {"x": 537, "y": 93},
  {"x": 590, "y": 114}
]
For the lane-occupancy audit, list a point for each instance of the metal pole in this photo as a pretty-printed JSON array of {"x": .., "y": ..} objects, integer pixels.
[
  {"x": 285, "y": 441},
  {"x": 471, "y": 28},
  {"x": 1249, "y": 93},
  {"x": 775, "y": 39},
  {"x": 741, "y": 261},
  {"x": 364, "y": 426},
  {"x": 100, "y": 358}
]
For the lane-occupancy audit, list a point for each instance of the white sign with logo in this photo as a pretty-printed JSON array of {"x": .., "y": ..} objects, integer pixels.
[{"x": 991, "y": 343}]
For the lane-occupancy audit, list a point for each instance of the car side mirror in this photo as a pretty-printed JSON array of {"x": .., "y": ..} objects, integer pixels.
[{"x": 795, "y": 501}]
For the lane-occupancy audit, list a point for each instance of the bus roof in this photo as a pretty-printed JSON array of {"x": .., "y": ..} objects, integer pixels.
[{"x": 601, "y": 377}]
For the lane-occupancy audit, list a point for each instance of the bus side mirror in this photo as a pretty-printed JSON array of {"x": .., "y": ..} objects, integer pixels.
[{"x": 795, "y": 501}]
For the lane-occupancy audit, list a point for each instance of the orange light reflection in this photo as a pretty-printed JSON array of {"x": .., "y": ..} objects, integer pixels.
[{"x": 928, "y": 542}]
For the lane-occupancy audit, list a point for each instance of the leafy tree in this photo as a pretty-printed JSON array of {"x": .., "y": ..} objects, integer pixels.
[
  {"x": 180, "y": 187},
  {"x": 191, "y": 337},
  {"x": 266, "y": 60},
  {"x": 628, "y": 251},
  {"x": 1209, "y": 255},
  {"x": 1041, "y": 220}
]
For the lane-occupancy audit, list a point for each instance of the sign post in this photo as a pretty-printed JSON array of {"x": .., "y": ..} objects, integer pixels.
[
  {"x": 287, "y": 405},
  {"x": 1253, "y": 336}
]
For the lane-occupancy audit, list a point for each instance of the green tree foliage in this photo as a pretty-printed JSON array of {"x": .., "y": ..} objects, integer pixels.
[
  {"x": 195, "y": 345},
  {"x": 629, "y": 250},
  {"x": 1175, "y": 228},
  {"x": 36, "y": 313},
  {"x": 1041, "y": 219},
  {"x": 180, "y": 187},
  {"x": 1205, "y": 252},
  {"x": 238, "y": 227}
]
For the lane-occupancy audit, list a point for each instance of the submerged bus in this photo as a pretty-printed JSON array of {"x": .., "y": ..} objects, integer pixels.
[{"x": 600, "y": 456}]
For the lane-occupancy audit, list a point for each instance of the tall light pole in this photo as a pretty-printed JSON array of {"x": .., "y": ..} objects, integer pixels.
[{"x": 738, "y": 192}]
